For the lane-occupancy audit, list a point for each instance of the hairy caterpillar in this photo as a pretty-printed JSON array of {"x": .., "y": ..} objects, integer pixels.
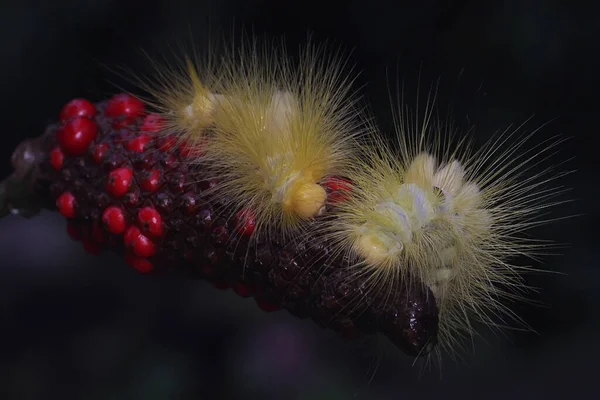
[{"x": 168, "y": 192}]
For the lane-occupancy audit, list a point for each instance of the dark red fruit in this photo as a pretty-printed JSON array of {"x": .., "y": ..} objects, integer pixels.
[
  {"x": 66, "y": 205},
  {"x": 73, "y": 231},
  {"x": 150, "y": 221},
  {"x": 151, "y": 181},
  {"x": 153, "y": 123},
  {"x": 138, "y": 143},
  {"x": 241, "y": 290},
  {"x": 77, "y": 108},
  {"x": 339, "y": 189},
  {"x": 139, "y": 263},
  {"x": 91, "y": 247},
  {"x": 124, "y": 105},
  {"x": 57, "y": 158},
  {"x": 99, "y": 152},
  {"x": 266, "y": 306},
  {"x": 77, "y": 136},
  {"x": 143, "y": 247},
  {"x": 114, "y": 220},
  {"x": 130, "y": 235},
  {"x": 245, "y": 222},
  {"x": 167, "y": 143},
  {"x": 119, "y": 181}
]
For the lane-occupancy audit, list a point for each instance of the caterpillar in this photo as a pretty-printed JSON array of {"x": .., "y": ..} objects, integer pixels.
[{"x": 263, "y": 178}]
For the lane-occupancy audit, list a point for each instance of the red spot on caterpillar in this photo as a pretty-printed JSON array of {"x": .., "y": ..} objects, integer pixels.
[
  {"x": 124, "y": 105},
  {"x": 266, "y": 306},
  {"x": 138, "y": 242},
  {"x": 77, "y": 108},
  {"x": 119, "y": 181},
  {"x": 151, "y": 181},
  {"x": 57, "y": 158},
  {"x": 153, "y": 123},
  {"x": 114, "y": 220},
  {"x": 77, "y": 136},
  {"x": 245, "y": 222},
  {"x": 66, "y": 205},
  {"x": 99, "y": 152},
  {"x": 150, "y": 221},
  {"x": 139, "y": 263},
  {"x": 338, "y": 189},
  {"x": 138, "y": 143}
]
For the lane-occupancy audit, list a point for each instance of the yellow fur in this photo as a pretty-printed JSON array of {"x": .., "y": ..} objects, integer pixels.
[
  {"x": 279, "y": 131},
  {"x": 432, "y": 209}
]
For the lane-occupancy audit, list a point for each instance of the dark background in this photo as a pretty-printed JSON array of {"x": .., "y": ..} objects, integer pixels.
[{"x": 83, "y": 327}]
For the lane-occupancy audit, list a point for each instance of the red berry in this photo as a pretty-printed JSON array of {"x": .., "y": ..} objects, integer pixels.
[
  {"x": 91, "y": 247},
  {"x": 73, "y": 231},
  {"x": 245, "y": 222},
  {"x": 153, "y": 123},
  {"x": 143, "y": 247},
  {"x": 151, "y": 221},
  {"x": 119, "y": 181},
  {"x": 77, "y": 108},
  {"x": 150, "y": 182},
  {"x": 124, "y": 105},
  {"x": 99, "y": 152},
  {"x": 77, "y": 136},
  {"x": 131, "y": 235},
  {"x": 114, "y": 220},
  {"x": 66, "y": 205},
  {"x": 57, "y": 158},
  {"x": 139, "y": 263},
  {"x": 138, "y": 143},
  {"x": 167, "y": 143},
  {"x": 266, "y": 306},
  {"x": 241, "y": 289},
  {"x": 192, "y": 150}
]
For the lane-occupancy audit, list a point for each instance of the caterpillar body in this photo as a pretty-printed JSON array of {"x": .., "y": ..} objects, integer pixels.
[{"x": 264, "y": 178}]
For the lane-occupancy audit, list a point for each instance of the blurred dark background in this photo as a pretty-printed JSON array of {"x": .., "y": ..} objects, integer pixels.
[{"x": 77, "y": 326}]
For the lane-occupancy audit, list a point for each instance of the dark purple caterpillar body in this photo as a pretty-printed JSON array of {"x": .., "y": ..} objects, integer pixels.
[{"x": 123, "y": 189}]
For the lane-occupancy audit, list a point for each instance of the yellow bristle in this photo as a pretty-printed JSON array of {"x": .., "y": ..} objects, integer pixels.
[
  {"x": 278, "y": 132},
  {"x": 451, "y": 217}
]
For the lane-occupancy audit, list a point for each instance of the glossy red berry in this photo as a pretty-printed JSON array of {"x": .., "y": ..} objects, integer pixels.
[
  {"x": 138, "y": 143},
  {"x": 124, "y": 105},
  {"x": 66, "y": 205},
  {"x": 77, "y": 136},
  {"x": 188, "y": 149},
  {"x": 57, "y": 158},
  {"x": 139, "y": 263},
  {"x": 99, "y": 152},
  {"x": 114, "y": 221},
  {"x": 135, "y": 240},
  {"x": 119, "y": 181},
  {"x": 131, "y": 234},
  {"x": 245, "y": 222},
  {"x": 153, "y": 123},
  {"x": 143, "y": 247},
  {"x": 150, "y": 221},
  {"x": 339, "y": 189},
  {"x": 151, "y": 181},
  {"x": 77, "y": 108}
]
